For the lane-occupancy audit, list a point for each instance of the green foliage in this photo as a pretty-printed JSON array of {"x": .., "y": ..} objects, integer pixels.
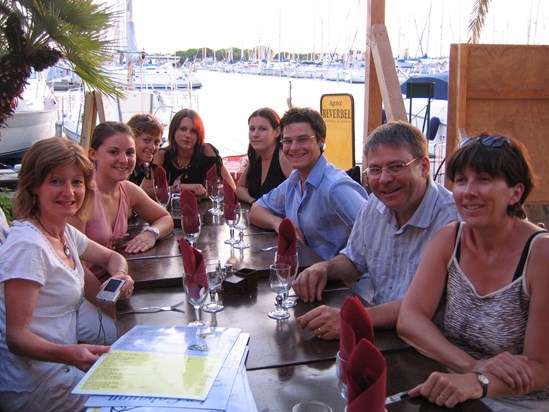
[{"x": 5, "y": 203}]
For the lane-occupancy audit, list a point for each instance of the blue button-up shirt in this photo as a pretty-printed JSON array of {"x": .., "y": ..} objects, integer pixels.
[
  {"x": 387, "y": 254},
  {"x": 324, "y": 211}
]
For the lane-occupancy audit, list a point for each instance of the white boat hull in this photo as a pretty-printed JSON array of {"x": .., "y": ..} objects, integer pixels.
[{"x": 25, "y": 128}]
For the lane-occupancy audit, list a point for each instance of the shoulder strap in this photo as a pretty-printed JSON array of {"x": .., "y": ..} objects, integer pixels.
[
  {"x": 458, "y": 241},
  {"x": 525, "y": 253}
]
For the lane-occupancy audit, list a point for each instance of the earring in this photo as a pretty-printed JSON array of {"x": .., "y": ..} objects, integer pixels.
[{"x": 34, "y": 200}]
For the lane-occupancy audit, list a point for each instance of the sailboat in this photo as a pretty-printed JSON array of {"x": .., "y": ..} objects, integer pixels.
[{"x": 34, "y": 118}]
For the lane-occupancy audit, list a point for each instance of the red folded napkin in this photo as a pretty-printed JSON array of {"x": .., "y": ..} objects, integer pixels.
[
  {"x": 287, "y": 240},
  {"x": 230, "y": 200},
  {"x": 194, "y": 268},
  {"x": 161, "y": 182},
  {"x": 355, "y": 324},
  {"x": 367, "y": 379},
  {"x": 189, "y": 207},
  {"x": 211, "y": 175}
]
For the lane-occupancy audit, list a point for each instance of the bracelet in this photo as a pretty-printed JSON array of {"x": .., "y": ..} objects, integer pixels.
[
  {"x": 122, "y": 271},
  {"x": 253, "y": 201}
]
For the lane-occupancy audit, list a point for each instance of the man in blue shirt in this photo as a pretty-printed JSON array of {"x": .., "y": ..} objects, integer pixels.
[
  {"x": 405, "y": 210},
  {"x": 321, "y": 200}
]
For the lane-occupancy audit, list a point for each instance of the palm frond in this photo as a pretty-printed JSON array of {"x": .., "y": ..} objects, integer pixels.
[{"x": 478, "y": 18}]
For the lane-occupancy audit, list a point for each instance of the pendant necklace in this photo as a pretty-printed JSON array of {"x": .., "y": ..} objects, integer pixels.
[{"x": 66, "y": 249}]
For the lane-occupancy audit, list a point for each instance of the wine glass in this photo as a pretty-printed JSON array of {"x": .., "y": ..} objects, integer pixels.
[
  {"x": 196, "y": 289},
  {"x": 341, "y": 371},
  {"x": 162, "y": 196},
  {"x": 230, "y": 222},
  {"x": 215, "y": 192},
  {"x": 241, "y": 222},
  {"x": 215, "y": 277},
  {"x": 175, "y": 206},
  {"x": 279, "y": 276},
  {"x": 191, "y": 227},
  {"x": 293, "y": 261}
]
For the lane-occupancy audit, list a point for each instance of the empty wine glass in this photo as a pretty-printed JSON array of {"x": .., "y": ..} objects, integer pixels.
[
  {"x": 215, "y": 192},
  {"x": 241, "y": 222},
  {"x": 230, "y": 219},
  {"x": 175, "y": 206},
  {"x": 341, "y": 371},
  {"x": 162, "y": 196},
  {"x": 191, "y": 227},
  {"x": 215, "y": 277},
  {"x": 196, "y": 289},
  {"x": 279, "y": 276},
  {"x": 293, "y": 261}
]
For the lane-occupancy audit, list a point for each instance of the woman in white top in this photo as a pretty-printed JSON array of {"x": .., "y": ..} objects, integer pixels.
[{"x": 42, "y": 282}]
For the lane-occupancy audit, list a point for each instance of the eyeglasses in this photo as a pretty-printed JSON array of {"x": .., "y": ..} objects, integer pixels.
[
  {"x": 299, "y": 141},
  {"x": 494, "y": 142},
  {"x": 394, "y": 169}
]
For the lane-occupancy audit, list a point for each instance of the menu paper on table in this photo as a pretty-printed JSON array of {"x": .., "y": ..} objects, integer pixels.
[{"x": 155, "y": 361}]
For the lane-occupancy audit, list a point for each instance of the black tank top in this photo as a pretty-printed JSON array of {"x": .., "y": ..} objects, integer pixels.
[
  {"x": 195, "y": 172},
  {"x": 274, "y": 177}
]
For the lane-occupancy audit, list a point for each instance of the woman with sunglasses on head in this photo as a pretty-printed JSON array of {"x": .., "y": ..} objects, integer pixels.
[
  {"x": 43, "y": 282},
  {"x": 485, "y": 282},
  {"x": 147, "y": 131},
  {"x": 187, "y": 158},
  {"x": 112, "y": 150},
  {"x": 267, "y": 166}
]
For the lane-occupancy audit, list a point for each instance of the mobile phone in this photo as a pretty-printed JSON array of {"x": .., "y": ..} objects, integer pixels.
[{"x": 110, "y": 291}]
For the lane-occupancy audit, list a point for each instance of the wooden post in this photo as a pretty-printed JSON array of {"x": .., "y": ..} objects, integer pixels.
[
  {"x": 93, "y": 107},
  {"x": 375, "y": 14}
]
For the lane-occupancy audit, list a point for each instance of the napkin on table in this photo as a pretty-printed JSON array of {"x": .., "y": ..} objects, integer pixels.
[
  {"x": 211, "y": 175},
  {"x": 189, "y": 207},
  {"x": 230, "y": 200},
  {"x": 194, "y": 268},
  {"x": 355, "y": 324},
  {"x": 287, "y": 239},
  {"x": 161, "y": 182},
  {"x": 367, "y": 379}
]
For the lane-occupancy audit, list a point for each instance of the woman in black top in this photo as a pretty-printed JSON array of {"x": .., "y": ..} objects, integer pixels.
[
  {"x": 187, "y": 158},
  {"x": 267, "y": 165}
]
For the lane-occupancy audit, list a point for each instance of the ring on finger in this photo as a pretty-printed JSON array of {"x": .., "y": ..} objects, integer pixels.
[{"x": 442, "y": 397}]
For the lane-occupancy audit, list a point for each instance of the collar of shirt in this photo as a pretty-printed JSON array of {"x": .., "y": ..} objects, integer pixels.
[{"x": 314, "y": 178}]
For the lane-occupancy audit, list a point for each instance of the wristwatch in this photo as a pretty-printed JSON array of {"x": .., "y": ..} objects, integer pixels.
[
  {"x": 154, "y": 231},
  {"x": 483, "y": 380}
]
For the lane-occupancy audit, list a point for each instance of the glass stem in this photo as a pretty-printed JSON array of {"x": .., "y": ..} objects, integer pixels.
[
  {"x": 212, "y": 295},
  {"x": 231, "y": 231},
  {"x": 197, "y": 313},
  {"x": 278, "y": 302},
  {"x": 241, "y": 234}
]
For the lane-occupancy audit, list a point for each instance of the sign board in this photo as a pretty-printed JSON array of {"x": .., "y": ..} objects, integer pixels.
[{"x": 338, "y": 111}]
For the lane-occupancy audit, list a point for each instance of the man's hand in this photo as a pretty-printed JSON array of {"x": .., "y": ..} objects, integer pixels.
[
  {"x": 322, "y": 321},
  {"x": 310, "y": 283}
]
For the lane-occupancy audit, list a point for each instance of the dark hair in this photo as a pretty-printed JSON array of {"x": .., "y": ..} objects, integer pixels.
[
  {"x": 400, "y": 134},
  {"x": 197, "y": 124},
  {"x": 509, "y": 161},
  {"x": 307, "y": 115},
  {"x": 145, "y": 123},
  {"x": 274, "y": 119},
  {"x": 41, "y": 159},
  {"x": 107, "y": 129}
]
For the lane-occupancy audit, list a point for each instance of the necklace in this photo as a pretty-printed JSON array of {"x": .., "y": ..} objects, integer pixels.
[
  {"x": 66, "y": 249},
  {"x": 180, "y": 166}
]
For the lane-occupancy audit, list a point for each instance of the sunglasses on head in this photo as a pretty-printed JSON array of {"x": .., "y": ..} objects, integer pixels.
[
  {"x": 144, "y": 118},
  {"x": 493, "y": 142}
]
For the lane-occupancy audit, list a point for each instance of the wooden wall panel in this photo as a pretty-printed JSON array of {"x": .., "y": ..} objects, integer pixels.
[{"x": 502, "y": 88}]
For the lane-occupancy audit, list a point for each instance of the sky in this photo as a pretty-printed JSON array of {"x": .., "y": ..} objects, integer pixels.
[{"x": 418, "y": 26}]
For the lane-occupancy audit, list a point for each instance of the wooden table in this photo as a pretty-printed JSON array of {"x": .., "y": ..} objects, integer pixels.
[{"x": 286, "y": 364}]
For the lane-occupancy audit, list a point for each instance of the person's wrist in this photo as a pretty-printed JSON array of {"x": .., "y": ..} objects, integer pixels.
[{"x": 121, "y": 271}]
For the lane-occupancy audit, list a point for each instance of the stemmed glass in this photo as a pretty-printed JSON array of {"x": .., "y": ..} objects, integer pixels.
[
  {"x": 241, "y": 222},
  {"x": 341, "y": 370},
  {"x": 215, "y": 276},
  {"x": 230, "y": 222},
  {"x": 196, "y": 289},
  {"x": 215, "y": 192},
  {"x": 293, "y": 261},
  {"x": 162, "y": 196},
  {"x": 191, "y": 227},
  {"x": 279, "y": 276}
]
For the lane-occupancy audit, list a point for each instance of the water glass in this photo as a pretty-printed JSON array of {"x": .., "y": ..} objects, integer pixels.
[
  {"x": 241, "y": 222},
  {"x": 341, "y": 374},
  {"x": 196, "y": 289},
  {"x": 311, "y": 406},
  {"x": 215, "y": 192},
  {"x": 215, "y": 277},
  {"x": 279, "y": 276},
  {"x": 293, "y": 261},
  {"x": 191, "y": 228},
  {"x": 175, "y": 206},
  {"x": 162, "y": 196}
]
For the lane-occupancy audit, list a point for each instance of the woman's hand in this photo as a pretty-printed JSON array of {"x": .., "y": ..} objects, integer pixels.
[
  {"x": 127, "y": 289},
  {"x": 448, "y": 389},
  {"x": 196, "y": 188},
  {"x": 83, "y": 356},
  {"x": 141, "y": 243},
  {"x": 513, "y": 370}
]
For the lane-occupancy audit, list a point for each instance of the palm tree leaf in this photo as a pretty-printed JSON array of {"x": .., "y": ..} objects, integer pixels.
[{"x": 478, "y": 18}]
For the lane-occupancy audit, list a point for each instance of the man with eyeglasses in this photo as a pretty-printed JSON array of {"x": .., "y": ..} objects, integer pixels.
[
  {"x": 405, "y": 210},
  {"x": 321, "y": 200}
]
